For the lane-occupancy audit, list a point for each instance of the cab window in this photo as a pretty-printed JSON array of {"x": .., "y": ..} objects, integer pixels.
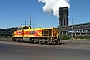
[
  {"x": 19, "y": 28},
  {"x": 25, "y": 27}
]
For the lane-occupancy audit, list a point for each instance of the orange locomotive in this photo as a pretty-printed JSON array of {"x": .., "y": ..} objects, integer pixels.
[{"x": 36, "y": 35}]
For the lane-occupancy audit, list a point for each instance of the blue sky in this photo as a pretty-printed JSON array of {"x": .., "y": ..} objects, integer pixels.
[{"x": 13, "y": 12}]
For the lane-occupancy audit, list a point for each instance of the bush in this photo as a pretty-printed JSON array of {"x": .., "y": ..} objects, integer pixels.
[
  {"x": 83, "y": 37},
  {"x": 65, "y": 37}
]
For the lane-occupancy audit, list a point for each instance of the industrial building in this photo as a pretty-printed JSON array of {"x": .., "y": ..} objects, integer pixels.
[
  {"x": 77, "y": 30},
  {"x": 63, "y": 16}
]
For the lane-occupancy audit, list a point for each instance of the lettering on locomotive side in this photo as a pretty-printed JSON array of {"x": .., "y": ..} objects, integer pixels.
[
  {"x": 19, "y": 32},
  {"x": 32, "y": 32}
]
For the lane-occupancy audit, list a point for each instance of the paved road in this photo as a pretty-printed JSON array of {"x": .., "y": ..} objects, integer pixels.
[{"x": 21, "y": 52}]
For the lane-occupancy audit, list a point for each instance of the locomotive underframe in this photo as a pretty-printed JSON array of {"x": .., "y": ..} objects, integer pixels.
[{"x": 37, "y": 40}]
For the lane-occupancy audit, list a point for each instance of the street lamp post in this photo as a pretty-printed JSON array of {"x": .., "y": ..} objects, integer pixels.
[{"x": 72, "y": 28}]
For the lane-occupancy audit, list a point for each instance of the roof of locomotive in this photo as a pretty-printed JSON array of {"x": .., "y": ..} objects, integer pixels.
[
  {"x": 36, "y": 28},
  {"x": 44, "y": 28}
]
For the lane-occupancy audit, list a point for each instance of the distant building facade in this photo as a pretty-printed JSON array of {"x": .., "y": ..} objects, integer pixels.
[{"x": 78, "y": 30}]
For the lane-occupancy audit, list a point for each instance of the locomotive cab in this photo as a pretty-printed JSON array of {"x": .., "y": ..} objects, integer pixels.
[{"x": 24, "y": 27}]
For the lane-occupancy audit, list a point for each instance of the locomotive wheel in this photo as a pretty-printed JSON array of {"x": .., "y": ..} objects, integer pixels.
[
  {"x": 21, "y": 40},
  {"x": 13, "y": 39}
]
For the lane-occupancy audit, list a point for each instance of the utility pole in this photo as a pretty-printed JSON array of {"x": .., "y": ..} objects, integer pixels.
[
  {"x": 33, "y": 24},
  {"x": 72, "y": 28},
  {"x": 30, "y": 20},
  {"x": 25, "y": 22}
]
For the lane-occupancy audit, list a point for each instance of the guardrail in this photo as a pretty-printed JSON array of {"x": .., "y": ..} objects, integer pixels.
[{"x": 5, "y": 39}]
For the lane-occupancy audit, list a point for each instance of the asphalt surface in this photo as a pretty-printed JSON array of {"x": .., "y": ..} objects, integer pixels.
[{"x": 25, "y": 51}]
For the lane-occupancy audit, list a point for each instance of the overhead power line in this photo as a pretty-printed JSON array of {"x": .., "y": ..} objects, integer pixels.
[
  {"x": 10, "y": 2},
  {"x": 25, "y": 22},
  {"x": 16, "y": 8},
  {"x": 1, "y": 2},
  {"x": 35, "y": 8},
  {"x": 30, "y": 5}
]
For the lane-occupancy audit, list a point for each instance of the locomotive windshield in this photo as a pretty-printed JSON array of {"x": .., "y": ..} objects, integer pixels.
[
  {"x": 26, "y": 27},
  {"x": 19, "y": 28}
]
